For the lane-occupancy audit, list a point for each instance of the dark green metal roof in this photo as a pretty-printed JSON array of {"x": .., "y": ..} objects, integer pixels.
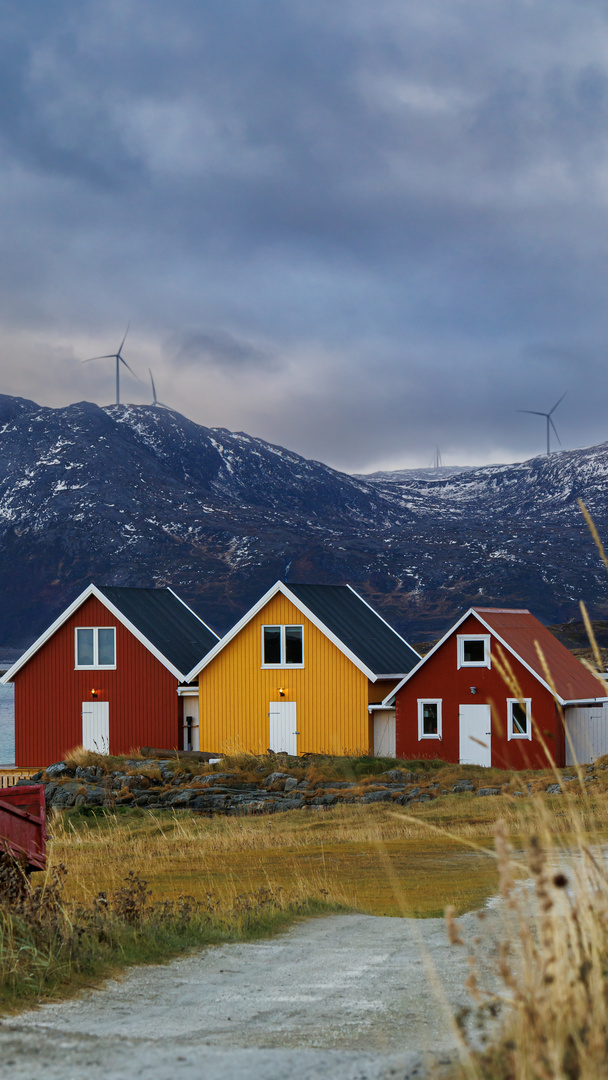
[
  {"x": 358, "y": 627},
  {"x": 162, "y": 618}
]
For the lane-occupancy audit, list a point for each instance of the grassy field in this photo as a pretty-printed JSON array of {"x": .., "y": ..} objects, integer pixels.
[
  {"x": 371, "y": 858},
  {"x": 365, "y": 858}
]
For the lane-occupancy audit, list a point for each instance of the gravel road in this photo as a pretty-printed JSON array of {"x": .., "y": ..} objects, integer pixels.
[{"x": 347, "y": 997}]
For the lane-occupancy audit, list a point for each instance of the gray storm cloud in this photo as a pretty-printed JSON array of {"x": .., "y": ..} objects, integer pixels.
[{"x": 361, "y": 229}]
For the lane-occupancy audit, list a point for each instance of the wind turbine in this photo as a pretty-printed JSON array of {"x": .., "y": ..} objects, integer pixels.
[
  {"x": 119, "y": 360},
  {"x": 549, "y": 418},
  {"x": 437, "y": 461},
  {"x": 155, "y": 401}
]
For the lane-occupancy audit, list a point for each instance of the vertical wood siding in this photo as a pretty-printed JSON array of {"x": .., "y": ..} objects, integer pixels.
[
  {"x": 49, "y": 694},
  {"x": 330, "y": 692},
  {"x": 441, "y": 678}
]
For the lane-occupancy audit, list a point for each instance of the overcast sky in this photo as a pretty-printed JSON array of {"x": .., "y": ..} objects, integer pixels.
[{"x": 363, "y": 229}]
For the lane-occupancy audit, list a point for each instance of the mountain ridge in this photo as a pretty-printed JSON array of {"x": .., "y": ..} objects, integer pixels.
[{"x": 139, "y": 495}]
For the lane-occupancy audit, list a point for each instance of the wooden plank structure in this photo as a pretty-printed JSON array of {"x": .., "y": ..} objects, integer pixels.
[{"x": 23, "y": 825}]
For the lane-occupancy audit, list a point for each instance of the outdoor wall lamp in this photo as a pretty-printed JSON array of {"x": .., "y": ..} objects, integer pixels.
[
  {"x": 282, "y": 692},
  {"x": 94, "y": 693}
]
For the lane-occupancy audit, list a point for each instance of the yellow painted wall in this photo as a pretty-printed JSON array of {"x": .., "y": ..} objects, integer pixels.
[{"x": 330, "y": 692}]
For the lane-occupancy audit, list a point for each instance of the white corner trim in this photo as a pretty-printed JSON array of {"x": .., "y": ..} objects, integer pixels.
[
  {"x": 91, "y": 590},
  {"x": 279, "y": 587}
]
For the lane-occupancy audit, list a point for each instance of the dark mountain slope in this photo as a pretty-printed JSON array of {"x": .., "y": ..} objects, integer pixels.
[{"x": 136, "y": 495}]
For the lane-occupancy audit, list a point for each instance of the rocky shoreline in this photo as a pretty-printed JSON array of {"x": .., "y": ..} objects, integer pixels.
[{"x": 165, "y": 784}]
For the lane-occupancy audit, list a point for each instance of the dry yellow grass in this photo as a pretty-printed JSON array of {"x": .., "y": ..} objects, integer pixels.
[
  {"x": 361, "y": 857},
  {"x": 369, "y": 858}
]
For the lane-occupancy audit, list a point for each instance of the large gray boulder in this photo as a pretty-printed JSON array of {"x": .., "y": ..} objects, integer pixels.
[
  {"x": 58, "y": 770},
  {"x": 65, "y": 795}
]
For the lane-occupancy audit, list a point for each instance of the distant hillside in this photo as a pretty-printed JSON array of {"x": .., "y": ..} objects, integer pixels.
[{"x": 137, "y": 495}]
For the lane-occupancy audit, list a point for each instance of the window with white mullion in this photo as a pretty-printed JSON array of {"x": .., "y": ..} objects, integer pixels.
[
  {"x": 95, "y": 647},
  {"x": 282, "y": 646}
]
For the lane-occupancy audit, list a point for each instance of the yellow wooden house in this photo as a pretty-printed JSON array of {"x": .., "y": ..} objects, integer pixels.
[{"x": 299, "y": 674}]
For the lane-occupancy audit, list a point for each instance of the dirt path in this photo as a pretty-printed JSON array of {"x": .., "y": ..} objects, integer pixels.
[{"x": 345, "y": 997}]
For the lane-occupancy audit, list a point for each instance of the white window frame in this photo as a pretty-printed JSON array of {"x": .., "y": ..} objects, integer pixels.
[
  {"x": 429, "y": 701},
  {"x": 282, "y": 627},
  {"x": 511, "y": 733},
  {"x": 96, "y": 666},
  {"x": 487, "y": 659}
]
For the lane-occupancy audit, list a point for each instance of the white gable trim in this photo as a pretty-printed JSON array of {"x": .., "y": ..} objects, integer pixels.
[
  {"x": 389, "y": 699},
  {"x": 202, "y": 621},
  {"x": 279, "y": 587},
  {"x": 391, "y": 628},
  {"x": 510, "y": 649},
  {"x": 91, "y": 590}
]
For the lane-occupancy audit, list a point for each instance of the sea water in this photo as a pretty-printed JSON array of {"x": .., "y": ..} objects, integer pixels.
[{"x": 7, "y": 724}]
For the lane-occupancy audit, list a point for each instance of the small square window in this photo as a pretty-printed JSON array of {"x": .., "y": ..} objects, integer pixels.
[
  {"x": 429, "y": 719},
  {"x": 519, "y": 718},
  {"x": 474, "y": 650}
]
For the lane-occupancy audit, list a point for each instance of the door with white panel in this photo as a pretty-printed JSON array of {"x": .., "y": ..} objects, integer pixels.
[
  {"x": 475, "y": 735},
  {"x": 191, "y": 739},
  {"x": 283, "y": 731},
  {"x": 96, "y": 726}
]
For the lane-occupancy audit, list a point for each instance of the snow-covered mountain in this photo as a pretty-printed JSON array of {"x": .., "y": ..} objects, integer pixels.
[{"x": 140, "y": 495}]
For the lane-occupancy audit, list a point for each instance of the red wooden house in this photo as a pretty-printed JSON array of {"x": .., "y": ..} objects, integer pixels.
[
  {"x": 109, "y": 674},
  {"x": 456, "y": 705}
]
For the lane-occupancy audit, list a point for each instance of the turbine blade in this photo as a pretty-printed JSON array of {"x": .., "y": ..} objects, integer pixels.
[
  {"x": 532, "y": 412},
  {"x": 154, "y": 401},
  {"x": 124, "y": 338},
  {"x": 123, "y": 361},
  {"x": 555, "y": 430},
  {"x": 558, "y": 403},
  {"x": 108, "y": 356}
]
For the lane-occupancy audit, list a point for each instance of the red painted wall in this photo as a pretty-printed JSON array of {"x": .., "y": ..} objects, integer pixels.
[
  {"x": 144, "y": 706},
  {"x": 440, "y": 677}
]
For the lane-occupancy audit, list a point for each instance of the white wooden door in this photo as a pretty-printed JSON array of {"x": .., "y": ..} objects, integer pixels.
[
  {"x": 96, "y": 726},
  {"x": 588, "y": 731},
  {"x": 475, "y": 735},
  {"x": 283, "y": 727},
  {"x": 191, "y": 740},
  {"x": 384, "y": 733}
]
